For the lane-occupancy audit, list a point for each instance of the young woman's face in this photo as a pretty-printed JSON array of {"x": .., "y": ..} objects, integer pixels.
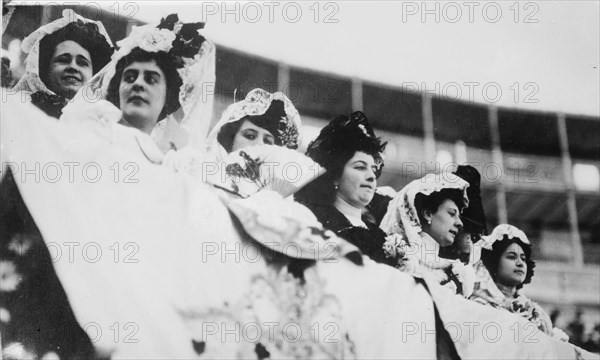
[
  {"x": 445, "y": 223},
  {"x": 142, "y": 94},
  {"x": 70, "y": 68},
  {"x": 357, "y": 184},
  {"x": 250, "y": 134},
  {"x": 512, "y": 266}
]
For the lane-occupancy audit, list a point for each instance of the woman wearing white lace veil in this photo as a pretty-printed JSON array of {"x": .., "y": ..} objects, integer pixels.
[
  {"x": 279, "y": 118},
  {"x": 62, "y": 56},
  {"x": 187, "y": 67},
  {"x": 425, "y": 215},
  {"x": 506, "y": 265}
]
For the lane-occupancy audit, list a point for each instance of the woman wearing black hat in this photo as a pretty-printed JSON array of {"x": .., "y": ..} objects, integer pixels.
[{"x": 352, "y": 155}]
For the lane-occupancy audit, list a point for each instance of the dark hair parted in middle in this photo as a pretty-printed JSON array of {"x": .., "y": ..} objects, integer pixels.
[
  {"x": 166, "y": 62},
  {"x": 491, "y": 258},
  {"x": 87, "y": 35},
  {"x": 269, "y": 121},
  {"x": 336, "y": 144},
  {"x": 433, "y": 201}
]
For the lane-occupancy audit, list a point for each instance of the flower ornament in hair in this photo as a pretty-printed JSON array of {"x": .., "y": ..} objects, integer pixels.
[
  {"x": 171, "y": 36},
  {"x": 196, "y": 58},
  {"x": 257, "y": 102},
  {"x": 502, "y": 230}
]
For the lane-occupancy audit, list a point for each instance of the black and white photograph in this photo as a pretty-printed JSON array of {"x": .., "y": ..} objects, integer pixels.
[{"x": 300, "y": 180}]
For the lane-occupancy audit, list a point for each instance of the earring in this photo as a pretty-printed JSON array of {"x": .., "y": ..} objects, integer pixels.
[
  {"x": 336, "y": 186},
  {"x": 428, "y": 221}
]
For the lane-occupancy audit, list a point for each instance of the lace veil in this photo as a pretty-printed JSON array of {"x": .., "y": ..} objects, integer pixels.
[
  {"x": 189, "y": 124},
  {"x": 402, "y": 218},
  {"x": 257, "y": 102},
  {"x": 31, "y": 82}
]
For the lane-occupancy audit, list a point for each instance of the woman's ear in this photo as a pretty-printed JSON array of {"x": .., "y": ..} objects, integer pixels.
[
  {"x": 336, "y": 184},
  {"x": 427, "y": 215}
]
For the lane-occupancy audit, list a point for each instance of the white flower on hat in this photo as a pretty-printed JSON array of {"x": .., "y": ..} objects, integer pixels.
[{"x": 148, "y": 38}]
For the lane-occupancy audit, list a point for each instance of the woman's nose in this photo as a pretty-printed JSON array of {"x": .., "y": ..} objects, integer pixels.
[
  {"x": 371, "y": 175},
  {"x": 138, "y": 83},
  {"x": 458, "y": 222}
]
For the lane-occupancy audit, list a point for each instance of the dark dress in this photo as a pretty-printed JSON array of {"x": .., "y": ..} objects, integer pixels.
[{"x": 369, "y": 240}]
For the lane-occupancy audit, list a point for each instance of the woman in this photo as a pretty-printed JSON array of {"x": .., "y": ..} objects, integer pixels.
[
  {"x": 473, "y": 219},
  {"x": 38, "y": 321},
  {"x": 506, "y": 265},
  {"x": 145, "y": 87},
  {"x": 158, "y": 71},
  {"x": 261, "y": 118},
  {"x": 425, "y": 215},
  {"x": 352, "y": 156},
  {"x": 63, "y": 56}
]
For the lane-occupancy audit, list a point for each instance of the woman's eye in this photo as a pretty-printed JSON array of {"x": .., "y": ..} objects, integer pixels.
[
  {"x": 249, "y": 136},
  {"x": 129, "y": 78},
  {"x": 83, "y": 63},
  {"x": 269, "y": 140},
  {"x": 62, "y": 60},
  {"x": 151, "y": 80}
]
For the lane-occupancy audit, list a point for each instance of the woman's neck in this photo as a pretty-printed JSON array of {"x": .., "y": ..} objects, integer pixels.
[
  {"x": 347, "y": 209},
  {"x": 145, "y": 127},
  {"x": 508, "y": 291}
]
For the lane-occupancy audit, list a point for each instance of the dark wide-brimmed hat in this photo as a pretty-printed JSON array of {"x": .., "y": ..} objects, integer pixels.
[{"x": 473, "y": 217}]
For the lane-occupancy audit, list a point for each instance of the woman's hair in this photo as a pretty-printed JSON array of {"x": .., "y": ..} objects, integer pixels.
[
  {"x": 336, "y": 144},
  {"x": 269, "y": 121},
  {"x": 491, "y": 258},
  {"x": 87, "y": 35},
  {"x": 166, "y": 62},
  {"x": 433, "y": 201}
]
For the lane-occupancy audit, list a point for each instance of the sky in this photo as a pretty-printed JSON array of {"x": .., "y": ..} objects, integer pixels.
[{"x": 539, "y": 55}]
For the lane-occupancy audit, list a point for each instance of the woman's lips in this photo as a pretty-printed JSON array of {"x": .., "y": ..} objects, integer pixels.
[
  {"x": 71, "y": 78},
  {"x": 136, "y": 98}
]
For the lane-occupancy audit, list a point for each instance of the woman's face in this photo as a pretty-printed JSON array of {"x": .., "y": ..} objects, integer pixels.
[
  {"x": 357, "y": 184},
  {"x": 250, "y": 134},
  {"x": 512, "y": 266},
  {"x": 142, "y": 94},
  {"x": 445, "y": 223},
  {"x": 70, "y": 68}
]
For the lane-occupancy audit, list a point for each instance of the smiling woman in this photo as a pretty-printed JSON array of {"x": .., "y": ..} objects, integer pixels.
[{"x": 63, "y": 56}]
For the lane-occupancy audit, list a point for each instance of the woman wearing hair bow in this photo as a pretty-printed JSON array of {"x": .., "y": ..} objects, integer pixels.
[{"x": 63, "y": 56}]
